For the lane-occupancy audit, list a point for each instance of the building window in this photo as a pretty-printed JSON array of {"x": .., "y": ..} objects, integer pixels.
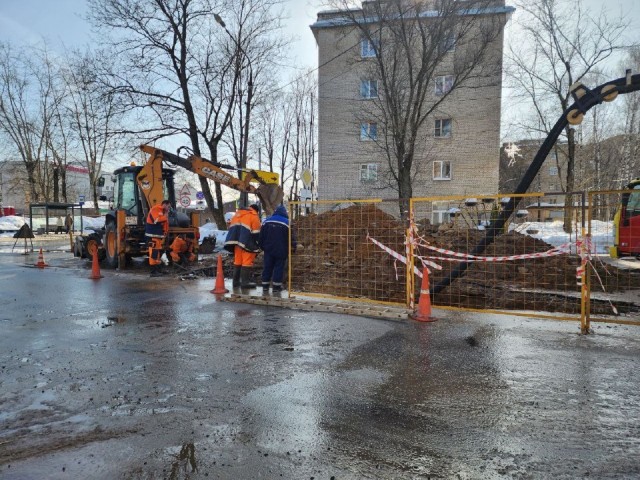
[
  {"x": 444, "y": 84},
  {"x": 368, "y": 172},
  {"x": 442, "y": 128},
  {"x": 368, "y": 131},
  {"x": 369, "y": 89},
  {"x": 442, "y": 170},
  {"x": 447, "y": 44},
  {"x": 440, "y": 213},
  {"x": 368, "y": 48},
  {"x": 553, "y": 171}
]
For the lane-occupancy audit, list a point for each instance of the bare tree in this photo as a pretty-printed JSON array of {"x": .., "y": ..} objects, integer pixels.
[
  {"x": 30, "y": 94},
  {"x": 180, "y": 69},
  {"x": 630, "y": 151},
  {"x": 303, "y": 136},
  {"x": 162, "y": 47},
  {"x": 413, "y": 43},
  {"x": 253, "y": 32},
  {"x": 288, "y": 134},
  {"x": 91, "y": 110},
  {"x": 561, "y": 44}
]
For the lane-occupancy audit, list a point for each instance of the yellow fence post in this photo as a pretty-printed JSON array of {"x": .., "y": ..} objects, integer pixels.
[
  {"x": 410, "y": 259},
  {"x": 584, "y": 329}
]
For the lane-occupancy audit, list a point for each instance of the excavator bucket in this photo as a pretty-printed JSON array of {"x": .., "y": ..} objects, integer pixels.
[{"x": 270, "y": 196}]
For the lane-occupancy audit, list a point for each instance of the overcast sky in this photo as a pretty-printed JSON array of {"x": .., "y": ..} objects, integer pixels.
[{"x": 62, "y": 22}]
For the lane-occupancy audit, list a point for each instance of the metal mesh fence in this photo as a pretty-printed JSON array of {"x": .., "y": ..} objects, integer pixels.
[
  {"x": 518, "y": 271},
  {"x": 339, "y": 259},
  {"x": 359, "y": 250}
]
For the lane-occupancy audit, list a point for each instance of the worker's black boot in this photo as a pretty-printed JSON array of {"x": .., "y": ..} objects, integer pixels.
[
  {"x": 237, "y": 272},
  {"x": 155, "y": 271},
  {"x": 265, "y": 287},
  {"x": 246, "y": 280}
]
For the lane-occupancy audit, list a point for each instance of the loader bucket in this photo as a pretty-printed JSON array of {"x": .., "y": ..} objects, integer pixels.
[{"x": 270, "y": 196}]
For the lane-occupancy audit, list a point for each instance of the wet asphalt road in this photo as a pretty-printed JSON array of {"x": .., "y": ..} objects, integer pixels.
[{"x": 137, "y": 378}]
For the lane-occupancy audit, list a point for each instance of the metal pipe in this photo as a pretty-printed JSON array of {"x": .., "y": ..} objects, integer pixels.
[{"x": 583, "y": 103}]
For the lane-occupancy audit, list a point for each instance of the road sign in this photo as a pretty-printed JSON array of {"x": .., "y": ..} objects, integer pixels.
[
  {"x": 185, "y": 190},
  {"x": 81, "y": 199},
  {"x": 306, "y": 178},
  {"x": 185, "y": 201},
  {"x": 305, "y": 194},
  {"x": 200, "y": 195}
]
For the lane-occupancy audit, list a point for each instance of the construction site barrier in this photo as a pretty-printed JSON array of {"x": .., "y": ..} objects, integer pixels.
[
  {"x": 95, "y": 265},
  {"x": 365, "y": 251},
  {"x": 41, "y": 263},
  {"x": 219, "y": 287}
]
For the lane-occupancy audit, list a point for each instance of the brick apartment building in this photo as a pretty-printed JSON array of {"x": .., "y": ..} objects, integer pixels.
[{"x": 461, "y": 141}]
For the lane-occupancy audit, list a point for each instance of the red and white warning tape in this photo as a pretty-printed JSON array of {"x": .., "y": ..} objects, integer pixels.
[
  {"x": 466, "y": 257},
  {"x": 402, "y": 258},
  {"x": 584, "y": 247}
]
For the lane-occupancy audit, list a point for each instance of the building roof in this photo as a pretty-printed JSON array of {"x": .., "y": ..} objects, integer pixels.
[
  {"x": 335, "y": 20},
  {"x": 72, "y": 168}
]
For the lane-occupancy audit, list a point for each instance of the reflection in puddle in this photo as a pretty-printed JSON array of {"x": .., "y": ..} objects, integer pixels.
[
  {"x": 184, "y": 460},
  {"x": 113, "y": 320}
]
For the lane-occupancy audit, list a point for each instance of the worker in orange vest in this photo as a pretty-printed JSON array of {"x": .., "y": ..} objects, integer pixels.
[
  {"x": 242, "y": 240},
  {"x": 156, "y": 229},
  {"x": 182, "y": 249}
]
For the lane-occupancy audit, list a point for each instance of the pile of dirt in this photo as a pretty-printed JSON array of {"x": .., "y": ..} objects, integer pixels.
[{"x": 339, "y": 259}]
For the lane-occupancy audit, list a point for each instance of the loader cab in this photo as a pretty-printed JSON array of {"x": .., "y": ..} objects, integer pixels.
[{"x": 127, "y": 195}]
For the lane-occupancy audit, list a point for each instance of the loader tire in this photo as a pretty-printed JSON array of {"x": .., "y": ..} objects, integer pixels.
[
  {"x": 111, "y": 245},
  {"x": 93, "y": 242}
]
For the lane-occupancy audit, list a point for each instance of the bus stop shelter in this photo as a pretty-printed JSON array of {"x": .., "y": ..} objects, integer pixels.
[{"x": 52, "y": 210}]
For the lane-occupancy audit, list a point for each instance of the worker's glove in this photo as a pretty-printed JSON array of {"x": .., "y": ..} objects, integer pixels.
[{"x": 300, "y": 247}]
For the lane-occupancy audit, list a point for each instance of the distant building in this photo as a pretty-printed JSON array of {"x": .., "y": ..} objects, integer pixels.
[
  {"x": 606, "y": 165},
  {"x": 609, "y": 164},
  {"x": 14, "y": 187}
]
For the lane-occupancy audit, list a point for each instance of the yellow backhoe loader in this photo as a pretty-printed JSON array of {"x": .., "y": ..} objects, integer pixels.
[{"x": 138, "y": 188}]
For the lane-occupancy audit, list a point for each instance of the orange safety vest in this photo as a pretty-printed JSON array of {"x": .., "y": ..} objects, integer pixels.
[
  {"x": 157, "y": 222},
  {"x": 244, "y": 231}
]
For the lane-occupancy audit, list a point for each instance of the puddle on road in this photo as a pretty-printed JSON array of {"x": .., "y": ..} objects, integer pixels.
[
  {"x": 185, "y": 462},
  {"x": 113, "y": 320}
]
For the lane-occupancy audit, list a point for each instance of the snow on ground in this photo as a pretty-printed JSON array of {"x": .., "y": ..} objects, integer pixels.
[
  {"x": 550, "y": 232},
  {"x": 553, "y": 233},
  {"x": 11, "y": 224},
  {"x": 91, "y": 223},
  {"x": 211, "y": 230}
]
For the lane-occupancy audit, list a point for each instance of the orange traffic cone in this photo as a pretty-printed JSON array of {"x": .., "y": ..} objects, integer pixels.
[
  {"x": 219, "y": 288},
  {"x": 95, "y": 266},
  {"x": 41, "y": 263},
  {"x": 423, "y": 313}
]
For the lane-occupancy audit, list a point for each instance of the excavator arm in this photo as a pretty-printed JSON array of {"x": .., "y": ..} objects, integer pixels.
[{"x": 268, "y": 190}]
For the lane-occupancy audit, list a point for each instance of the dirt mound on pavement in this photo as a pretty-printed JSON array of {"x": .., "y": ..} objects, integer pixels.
[{"x": 339, "y": 259}]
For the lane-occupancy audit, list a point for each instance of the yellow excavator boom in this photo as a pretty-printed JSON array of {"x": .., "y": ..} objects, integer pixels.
[{"x": 268, "y": 189}]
